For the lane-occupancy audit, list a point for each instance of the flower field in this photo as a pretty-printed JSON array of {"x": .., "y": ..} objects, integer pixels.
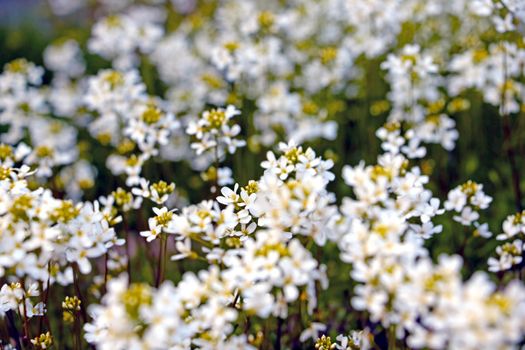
[{"x": 242, "y": 174}]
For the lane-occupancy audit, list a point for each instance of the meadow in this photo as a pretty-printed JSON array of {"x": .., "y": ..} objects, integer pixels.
[{"x": 227, "y": 174}]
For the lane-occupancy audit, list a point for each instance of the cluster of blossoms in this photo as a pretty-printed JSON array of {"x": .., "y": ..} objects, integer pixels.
[
  {"x": 254, "y": 46},
  {"x": 416, "y": 101},
  {"x": 466, "y": 200},
  {"x": 203, "y": 309},
  {"x": 23, "y": 108},
  {"x": 64, "y": 58},
  {"x": 199, "y": 310},
  {"x": 355, "y": 340},
  {"x": 400, "y": 286},
  {"x": 122, "y": 38},
  {"x": 256, "y": 265},
  {"x": 213, "y": 132},
  {"x": 293, "y": 194},
  {"x": 509, "y": 253},
  {"x": 112, "y": 95},
  {"x": 14, "y": 297},
  {"x": 44, "y": 241},
  {"x": 40, "y": 230},
  {"x": 249, "y": 49},
  {"x": 259, "y": 257}
]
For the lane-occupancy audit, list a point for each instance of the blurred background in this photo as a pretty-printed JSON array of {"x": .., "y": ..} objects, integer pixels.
[{"x": 24, "y": 29}]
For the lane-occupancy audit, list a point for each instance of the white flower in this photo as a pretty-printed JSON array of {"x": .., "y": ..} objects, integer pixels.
[
  {"x": 184, "y": 248},
  {"x": 154, "y": 230},
  {"x": 312, "y": 332},
  {"x": 467, "y": 217}
]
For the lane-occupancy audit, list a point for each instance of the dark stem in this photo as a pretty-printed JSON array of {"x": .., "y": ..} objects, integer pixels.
[
  {"x": 128, "y": 247},
  {"x": 27, "y": 336},
  {"x": 45, "y": 299},
  {"x": 77, "y": 338},
  {"x": 79, "y": 293},
  {"x": 236, "y": 299},
  {"x": 11, "y": 328},
  {"x": 83, "y": 303},
  {"x": 511, "y": 155},
  {"x": 507, "y": 135},
  {"x": 277, "y": 345},
  {"x": 217, "y": 163},
  {"x": 106, "y": 271}
]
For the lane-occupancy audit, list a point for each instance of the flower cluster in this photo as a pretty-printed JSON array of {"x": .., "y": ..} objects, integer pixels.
[
  {"x": 510, "y": 252},
  {"x": 400, "y": 286},
  {"x": 466, "y": 200},
  {"x": 200, "y": 311},
  {"x": 14, "y": 297},
  {"x": 140, "y": 209},
  {"x": 40, "y": 231},
  {"x": 213, "y": 132},
  {"x": 23, "y": 109},
  {"x": 121, "y": 38},
  {"x": 112, "y": 94}
]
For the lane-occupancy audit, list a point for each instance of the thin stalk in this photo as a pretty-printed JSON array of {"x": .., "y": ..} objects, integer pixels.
[
  {"x": 508, "y": 9},
  {"x": 105, "y": 271},
  {"x": 4, "y": 329},
  {"x": 217, "y": 163},
  {"x": 507, "y": 136},
  {"x": 511, "y": 155},
  {"x": 79, "y": 293},
  {"x": 214, "y": 189},
  {"x": 77, "y": 339},
  {"x": 128, "y": 247},
  {"x": 236, "y": 298},
  {"x": 247, "y": 325},
  {"x": 83, "y": 302},
  {"x": 277, "y": 345},
  {"x": 13, "y": 331},
  {"x": 162, "y": 258},
  {"x": 201, "y": 241},
  {"x": 106, "y": 258},
  {"x": 24, "y": 340},
  {"x": 392, "y": 338},
  {"x": 45, "y": 299},
  {"x": 27, "y": 336}
]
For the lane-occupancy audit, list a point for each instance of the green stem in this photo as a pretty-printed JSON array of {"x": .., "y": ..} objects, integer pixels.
[
  {"x": 507, "y": 135},
  {"x": 201, "y": 241},
  {"x": 162, "y": 258},
  {"x": 77, "y": 338},
  {"x": 128, "y": 247},
  {"x": 392, "y": 338},
  {"x": 217, "y": 164}
]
